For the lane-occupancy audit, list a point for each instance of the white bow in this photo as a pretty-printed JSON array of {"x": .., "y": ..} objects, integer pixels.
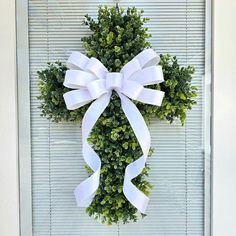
[{"x": 92, "y": 81}]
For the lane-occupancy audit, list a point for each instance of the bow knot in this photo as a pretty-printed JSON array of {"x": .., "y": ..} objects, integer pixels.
[
  {"x": 114, "y": 81},
  {"x": 91, "y": 80}
]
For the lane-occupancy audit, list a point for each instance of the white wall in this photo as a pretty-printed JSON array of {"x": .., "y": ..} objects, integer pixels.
[
  {"x": 9, "y": 225},
  {"x": 224, "y": 126}
]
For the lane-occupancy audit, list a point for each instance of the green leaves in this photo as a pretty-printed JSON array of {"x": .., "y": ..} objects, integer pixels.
[
  {"x": 109, "y": 38},
  {"x": 117, "y": 50},
  {"x": 179, "y": 94},
  {"x": 117, "y": 63},
  {"x": 117, "y": 36},
  {"x": 51, "y": 89}
]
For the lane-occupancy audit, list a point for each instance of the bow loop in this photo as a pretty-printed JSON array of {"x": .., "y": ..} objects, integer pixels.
[
  {"x": 147, "y": 58},
  {"x": 77, "y": 98},
  {"x": 92, "y": 81},
  {"x": 97, "y": 88},
  {"x": 132, "y": 89},
  {"x": 77, "y": 61},
  {"x": 76, "y": 79},
  {"x": 95, "y": 67},
  {"x": 148, "y": 76},
  {"x": 131, "y": 68}
]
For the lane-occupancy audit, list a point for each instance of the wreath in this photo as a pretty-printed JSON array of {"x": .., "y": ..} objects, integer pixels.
[{"x": 118, "y": 35}]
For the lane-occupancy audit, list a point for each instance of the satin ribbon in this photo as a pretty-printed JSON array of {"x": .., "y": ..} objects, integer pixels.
[{"x": 91, "y": 81}]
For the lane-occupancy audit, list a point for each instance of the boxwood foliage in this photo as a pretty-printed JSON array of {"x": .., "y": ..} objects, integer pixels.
[{"x": 117, "y": 36}]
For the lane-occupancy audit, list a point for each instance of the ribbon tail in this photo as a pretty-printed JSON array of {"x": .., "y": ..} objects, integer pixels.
[
  {"x": 85, "y": 191},
  {"x": 131, "y": 192}
]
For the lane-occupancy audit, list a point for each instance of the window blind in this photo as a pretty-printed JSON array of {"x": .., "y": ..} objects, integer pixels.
[{"x": 177, "y": 166}]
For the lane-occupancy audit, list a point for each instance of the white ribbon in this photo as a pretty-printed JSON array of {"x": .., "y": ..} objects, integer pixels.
[{"x": 91, "y": 81}]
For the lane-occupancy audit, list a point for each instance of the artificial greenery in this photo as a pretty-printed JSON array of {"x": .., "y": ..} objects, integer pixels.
[{"x": 117, "y": 36}]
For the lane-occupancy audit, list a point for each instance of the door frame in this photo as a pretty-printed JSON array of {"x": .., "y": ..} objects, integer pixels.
[{"x": 24, "y": 136}]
